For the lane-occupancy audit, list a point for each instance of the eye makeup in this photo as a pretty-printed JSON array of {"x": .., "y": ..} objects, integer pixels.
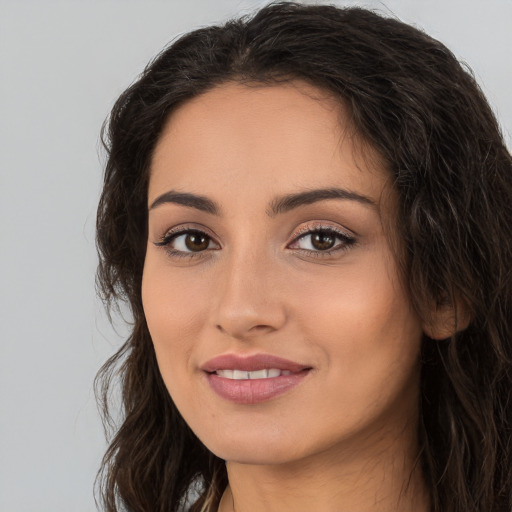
[
  {"x": 187, "y": 241},
  {"x": 323, "y": 239},
  {"x": 317, "y": 240}
]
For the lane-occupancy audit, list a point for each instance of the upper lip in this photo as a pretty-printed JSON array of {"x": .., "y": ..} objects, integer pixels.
[{"x": 251, "y": 363}]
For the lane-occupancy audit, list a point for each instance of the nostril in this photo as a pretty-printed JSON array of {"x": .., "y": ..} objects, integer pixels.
[
  {"x": 261, "y": 327},
  {"x": 238, "y": 331}
]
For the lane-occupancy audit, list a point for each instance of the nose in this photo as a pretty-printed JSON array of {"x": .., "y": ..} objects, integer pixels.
[{"x": 250, "y": 302}]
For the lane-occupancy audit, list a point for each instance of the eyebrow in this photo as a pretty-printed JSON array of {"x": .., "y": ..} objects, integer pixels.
[
  {"x": 278, "y": 205},
  {"x": 185, "y": 199},
  {"x": 290, "y": 201}
]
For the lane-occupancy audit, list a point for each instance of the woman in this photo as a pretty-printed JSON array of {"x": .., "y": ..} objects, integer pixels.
[{"x": 309, "y": 214}]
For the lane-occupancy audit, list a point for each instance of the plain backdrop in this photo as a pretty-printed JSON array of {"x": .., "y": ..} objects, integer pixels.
[{"x": 63, "y": 63}]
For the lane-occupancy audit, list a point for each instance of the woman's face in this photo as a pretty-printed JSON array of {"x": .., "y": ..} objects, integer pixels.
[{"x": 280, "y": 325}]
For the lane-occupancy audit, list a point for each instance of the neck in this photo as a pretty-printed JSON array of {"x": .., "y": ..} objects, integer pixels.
[{"x": 367, "y": 476}]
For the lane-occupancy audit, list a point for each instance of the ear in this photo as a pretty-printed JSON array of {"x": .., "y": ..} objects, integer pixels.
[{"x": 445, "y": 320}]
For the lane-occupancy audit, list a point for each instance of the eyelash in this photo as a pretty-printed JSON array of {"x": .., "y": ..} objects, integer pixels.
[
  {"x": 173, "y": 234},
  {"x": 345, "y": 241}
]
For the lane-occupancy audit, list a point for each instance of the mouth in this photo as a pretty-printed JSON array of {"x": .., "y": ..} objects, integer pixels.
[
  {"x": 254, "y": 375},
  {"x": 253, "y": 366},
  {"x": 253, "y": 379}
]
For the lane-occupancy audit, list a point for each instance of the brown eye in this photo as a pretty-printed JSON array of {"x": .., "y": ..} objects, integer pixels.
[
  {"x": 196, "y": 241},
  {"x": 188, "y": 241},
  {"x": 323, "y": 240}
]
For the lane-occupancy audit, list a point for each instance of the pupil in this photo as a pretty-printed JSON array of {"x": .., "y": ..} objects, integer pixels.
[
  {"x": 323, "y": 241},
  {"x": 196, "y": 242}
]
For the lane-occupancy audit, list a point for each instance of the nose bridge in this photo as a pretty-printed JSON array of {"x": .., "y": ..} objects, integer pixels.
[{"x": 248, "y": 300}]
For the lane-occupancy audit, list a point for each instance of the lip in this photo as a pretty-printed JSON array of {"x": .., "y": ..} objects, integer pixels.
[
  {"x": 251, "y": 363},
  {"x": 253, "y": 391}
]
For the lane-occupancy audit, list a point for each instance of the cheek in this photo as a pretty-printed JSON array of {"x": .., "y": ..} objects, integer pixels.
[
  {"x": 174, "y": 308},
  {"x": 358, "y": 299},
  {"x": 362, "y": 322}
]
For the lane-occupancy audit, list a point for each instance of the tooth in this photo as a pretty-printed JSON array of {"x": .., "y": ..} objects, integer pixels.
[
  {"x": 227, "y": 374},
  {"x": 240, "y": 375},
  {"x": 258, "y": 374}
]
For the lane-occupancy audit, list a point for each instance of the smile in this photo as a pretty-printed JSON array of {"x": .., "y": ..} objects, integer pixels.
[
  {"x": 257, "y": 374},
  {"x": 253, "y": 379}
]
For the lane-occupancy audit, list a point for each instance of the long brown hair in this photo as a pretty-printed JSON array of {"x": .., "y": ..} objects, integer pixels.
[{"x": 411, "y": 100}]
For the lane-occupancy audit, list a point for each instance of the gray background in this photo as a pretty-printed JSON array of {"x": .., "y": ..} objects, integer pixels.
[{"x": 63, "y": 63}]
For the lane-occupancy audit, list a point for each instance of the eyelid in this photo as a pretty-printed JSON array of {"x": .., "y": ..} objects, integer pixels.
[
  {"x": 165, "y": 243},
  {"x": 322, "y": 226},
  {"x": 183, "y": 229},
  {"x": 347, "y": 239}
]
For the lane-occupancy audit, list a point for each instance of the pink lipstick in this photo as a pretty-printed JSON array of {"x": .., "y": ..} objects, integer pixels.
[{"x": 253, "y": 379}]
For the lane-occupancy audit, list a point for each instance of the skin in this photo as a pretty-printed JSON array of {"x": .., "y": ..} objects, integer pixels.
[{"x": 344, "y": 439}]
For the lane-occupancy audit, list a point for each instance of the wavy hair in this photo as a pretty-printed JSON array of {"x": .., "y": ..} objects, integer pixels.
[{"x": 410, "y": 99}]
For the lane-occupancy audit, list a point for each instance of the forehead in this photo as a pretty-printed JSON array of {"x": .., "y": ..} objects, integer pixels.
[{"x": 265, "y": 139}]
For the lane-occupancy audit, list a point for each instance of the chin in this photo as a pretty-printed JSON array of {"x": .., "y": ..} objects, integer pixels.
[
  {"x": 259, "y": 454},
  {"x": 266, "y": 445}
]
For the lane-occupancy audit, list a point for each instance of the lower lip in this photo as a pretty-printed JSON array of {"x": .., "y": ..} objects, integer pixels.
[{"x": 254, "y": 391}]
